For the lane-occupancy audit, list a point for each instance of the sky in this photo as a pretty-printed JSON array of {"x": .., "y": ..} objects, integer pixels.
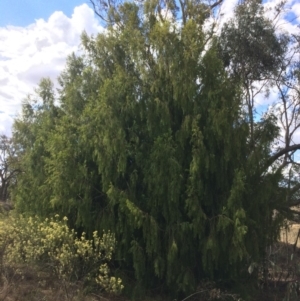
[
  {"x": 36, "y": 36},
  {"x": 25, "y": 12}
]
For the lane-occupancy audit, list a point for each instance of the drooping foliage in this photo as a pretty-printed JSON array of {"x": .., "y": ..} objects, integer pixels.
[{"x": 150, "y": 140}]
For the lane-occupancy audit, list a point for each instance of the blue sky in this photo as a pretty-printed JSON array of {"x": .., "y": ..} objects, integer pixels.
[
  {"x": 36, "y": 36},
  {"x": 25, "y": 12}
]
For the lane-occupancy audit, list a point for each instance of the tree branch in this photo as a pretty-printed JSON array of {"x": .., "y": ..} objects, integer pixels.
[
  {"x": 216, "y": 4},
  {"x": 281, "y": 153}
]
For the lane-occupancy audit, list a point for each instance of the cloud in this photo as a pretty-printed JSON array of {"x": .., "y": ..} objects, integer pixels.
[
  {"x": 39, "y": 50},
  {"x": 288, "y": 20},
  {"x": 5, "y": 124},
  {"x": 227, "y": 10}
]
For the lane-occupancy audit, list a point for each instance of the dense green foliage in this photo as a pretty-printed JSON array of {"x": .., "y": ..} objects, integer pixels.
[
  {"x": 8, "y": 167},
  {"x": 152, "y": 138}
]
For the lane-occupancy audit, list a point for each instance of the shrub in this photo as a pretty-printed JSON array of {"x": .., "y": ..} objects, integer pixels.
[{"x": 50, "y": 242}]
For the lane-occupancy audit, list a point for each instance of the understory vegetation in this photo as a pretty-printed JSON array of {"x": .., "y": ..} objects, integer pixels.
[
  {"x": 49, "y": 246},
  {"x": 156, "y": 141}
]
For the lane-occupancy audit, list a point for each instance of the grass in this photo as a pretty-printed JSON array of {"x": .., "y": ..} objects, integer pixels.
[{"x": 25, "y": 283}]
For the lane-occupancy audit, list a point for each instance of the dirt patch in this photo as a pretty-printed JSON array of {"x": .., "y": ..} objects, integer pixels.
[
  {"x": 290, "y": 234},
  {"x": 24, "y": 283}
]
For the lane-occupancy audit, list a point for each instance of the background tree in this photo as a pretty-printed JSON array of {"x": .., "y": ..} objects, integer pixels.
[
  {"x": 8, "y": 169},
  {"x": 253, "y": 53},
  {"x": 31, "y": 132},
  {"x": 264, "y": 60}
]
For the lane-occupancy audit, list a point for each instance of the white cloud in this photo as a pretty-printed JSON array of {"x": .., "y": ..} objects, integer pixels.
[
  {"x": 5, "y": 124},
  {"x": 288, "y": 20},
  {"x": 226, "y": 12},
  {"x": 39, "y": 50}
]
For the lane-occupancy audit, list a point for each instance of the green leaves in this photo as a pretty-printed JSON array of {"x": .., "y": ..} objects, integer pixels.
[
  {"x": 150, "y": 139},
  {"x": 249, "y": 43}
]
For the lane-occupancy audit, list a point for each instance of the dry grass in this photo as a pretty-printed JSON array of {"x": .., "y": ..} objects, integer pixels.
[
  {"x": 289, "y": 235},
  {"x": 24, "y": 283}
]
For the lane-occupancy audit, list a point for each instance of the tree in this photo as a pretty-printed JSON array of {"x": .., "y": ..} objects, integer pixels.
[
  {"x": 8, "y": 170},
  {"x": 31, "y": 132},
  {"x": 151, "y": 139},
  {"x": 264, "y": 59},
  {"x": 252, "y": 52}
]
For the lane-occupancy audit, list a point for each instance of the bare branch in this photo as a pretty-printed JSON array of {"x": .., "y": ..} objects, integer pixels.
[
  {"x": 282, "y": 152},
  {"x": 216, "y": 4}
]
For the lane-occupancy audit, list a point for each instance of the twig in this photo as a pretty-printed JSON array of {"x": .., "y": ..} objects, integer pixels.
[
  {"x": 203, "y": 291},
  {"x": 99, "y": 296}
]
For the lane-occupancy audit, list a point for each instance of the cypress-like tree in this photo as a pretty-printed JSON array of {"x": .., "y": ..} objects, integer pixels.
[{"x": 151, "y": 140}]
